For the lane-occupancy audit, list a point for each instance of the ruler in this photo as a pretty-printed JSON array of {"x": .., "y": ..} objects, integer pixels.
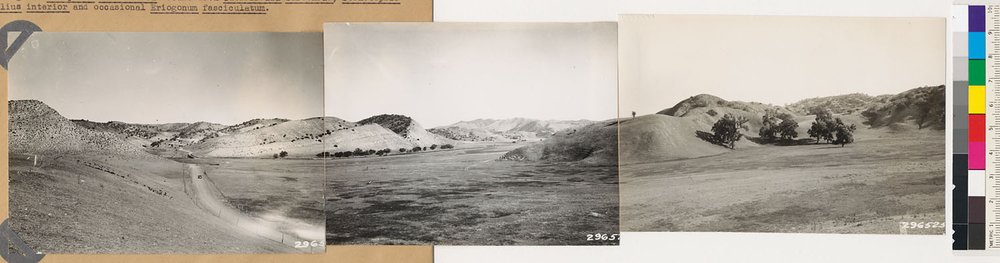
[{"x": 991, "y": 177}]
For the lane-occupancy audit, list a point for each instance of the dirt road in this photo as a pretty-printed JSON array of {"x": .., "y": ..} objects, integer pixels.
[{"x": 208, "y": 197}]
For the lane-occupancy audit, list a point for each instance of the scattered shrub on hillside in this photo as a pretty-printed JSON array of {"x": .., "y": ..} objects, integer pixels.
[
  {"x": 275, "y": 156},
  {"x": 434, "y": 146},
  {"x": 727, "y": 130},
  {"x": 711, "y": 112}
]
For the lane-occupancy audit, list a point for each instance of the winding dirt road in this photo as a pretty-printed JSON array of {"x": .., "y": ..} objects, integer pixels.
[{"x": 208, "y": 197}]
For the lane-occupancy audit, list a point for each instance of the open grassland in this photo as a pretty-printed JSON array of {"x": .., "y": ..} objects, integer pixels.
[
  {"x": 465, "y": 196},
  {"x": 869, "y": 187}
]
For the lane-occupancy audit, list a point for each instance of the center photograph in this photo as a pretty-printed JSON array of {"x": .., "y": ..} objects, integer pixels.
[{"x": 471, "y": 134}]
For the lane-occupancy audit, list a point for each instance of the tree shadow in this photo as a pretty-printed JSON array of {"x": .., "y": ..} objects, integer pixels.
[
  {"x": 708, "y": 137},
  {"x": 779, "y": 142}
]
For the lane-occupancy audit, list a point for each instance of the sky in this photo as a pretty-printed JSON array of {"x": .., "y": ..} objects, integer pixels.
[
  {"x": 152, "y": 78},
  {"x": 774, "y": 59},
  {"x": 443, "y": 73}
]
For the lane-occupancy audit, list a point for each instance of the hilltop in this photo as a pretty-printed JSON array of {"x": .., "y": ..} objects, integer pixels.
[
  {"x": 37, "y": 128},
  {"x": 505, "y": 129},
  {"x": 681, "y": 131}
]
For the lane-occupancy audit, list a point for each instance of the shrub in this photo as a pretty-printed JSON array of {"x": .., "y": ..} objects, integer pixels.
[
  {"x": 434, "y": 146},
  {"x": 402, "y": 150},
  {"x": 844, "y": 133},
  {"x": 415, "y": 149},
  {"x": 283, "y": 154},
  {"x": 823, "y": 127},
  {"x": 711, "y": 112},
  {"x": 727, "y": 130},
  {"x": 787, "y": 129}
]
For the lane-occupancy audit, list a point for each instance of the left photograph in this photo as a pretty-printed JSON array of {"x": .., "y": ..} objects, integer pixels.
[{"x": 163, "y": 143}]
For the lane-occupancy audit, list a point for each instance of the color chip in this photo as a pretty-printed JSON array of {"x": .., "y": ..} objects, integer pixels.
[
  {"x": 977, "y": 236},
  {"x": 960, "y": 195},
  {"x": 977, "y": 183},
  {"x": 960, "y": 237},
  {"x": 977, "y": 18},
  {"x": 977, "y": 156},
  {"x": 977, "y": 128},
  {"x": 977, "y": 100},
  {"x": 977, "y": 45},
  {"x": 977, "y": 72}
]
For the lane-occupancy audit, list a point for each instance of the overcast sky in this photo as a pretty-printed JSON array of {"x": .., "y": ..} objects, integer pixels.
[
  {"x": 442, "y": 73},
  {"x": 224, "y": 78},
  {"x": 777, "y": 60}
]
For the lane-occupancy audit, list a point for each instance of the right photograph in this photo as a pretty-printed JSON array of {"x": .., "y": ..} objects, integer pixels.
[{"x": 782, "y": 124}]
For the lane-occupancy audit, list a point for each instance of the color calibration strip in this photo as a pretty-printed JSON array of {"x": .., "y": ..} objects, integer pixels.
[{"x": 969, "y": 156}]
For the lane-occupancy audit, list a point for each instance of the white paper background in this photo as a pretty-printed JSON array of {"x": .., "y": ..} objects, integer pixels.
[{"x": 715, "y": 247}]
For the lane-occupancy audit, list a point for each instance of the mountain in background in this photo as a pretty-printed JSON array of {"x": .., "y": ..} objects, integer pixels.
[{"x": 516, "y": 129}]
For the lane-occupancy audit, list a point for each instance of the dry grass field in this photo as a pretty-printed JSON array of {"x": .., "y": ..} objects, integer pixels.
[
  {"x": 871, "y": 186},
  {"x": 464, "y": 196}
]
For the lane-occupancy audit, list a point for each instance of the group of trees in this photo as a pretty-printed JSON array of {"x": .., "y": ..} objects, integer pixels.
[
  {"x": 832, "y": 130},
  {"x": 781, "y": 126},
  {"x": 776, "y": 126},
  {"x": 383, "y": 152}
]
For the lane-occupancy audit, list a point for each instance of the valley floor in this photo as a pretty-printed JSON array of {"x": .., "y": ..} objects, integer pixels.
[
  {"x": 869, "y": 187},
  {"x": 465, "y": 197}
]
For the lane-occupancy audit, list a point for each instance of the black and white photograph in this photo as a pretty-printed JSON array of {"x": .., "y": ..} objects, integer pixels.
[
  {"x": 167, "y": 143},
  {"x": 471, "y": 133},
  {"x": 782, "y": 124}
]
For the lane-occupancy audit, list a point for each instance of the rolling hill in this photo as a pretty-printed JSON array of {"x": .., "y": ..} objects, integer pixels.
[
  {"x": 505, "y": 129},
  {"x": 592, "y": 144},
  {"x": 680, "y": 131},
  {"x": 70, "y": 181}
]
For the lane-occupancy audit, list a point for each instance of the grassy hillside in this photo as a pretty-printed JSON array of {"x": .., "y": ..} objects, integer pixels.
[
  {"x": 595, "y": 144},
  {"x": 301, "y": 138},
  {"x": 923, "y": 107},
  {"x": 87, "y": 190},
  {"x": 842, "y": 104}
]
